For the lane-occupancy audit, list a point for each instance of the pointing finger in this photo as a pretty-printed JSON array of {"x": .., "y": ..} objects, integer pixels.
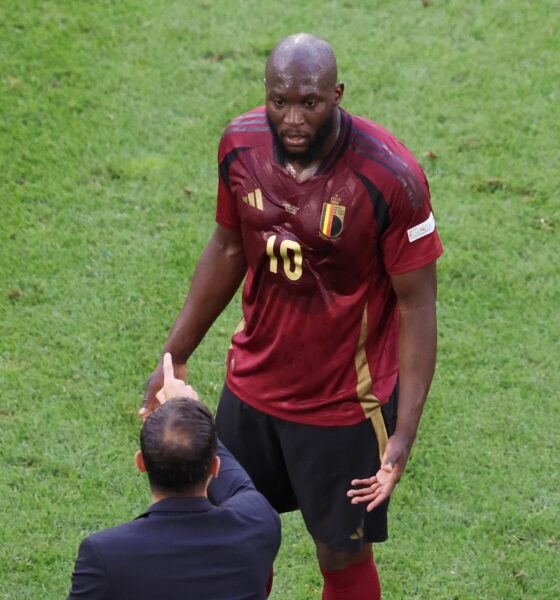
[{"x": 168, "y": 372}]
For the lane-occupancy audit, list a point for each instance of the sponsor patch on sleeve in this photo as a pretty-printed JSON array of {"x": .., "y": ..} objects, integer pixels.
[{"x": 422, "y": 229}]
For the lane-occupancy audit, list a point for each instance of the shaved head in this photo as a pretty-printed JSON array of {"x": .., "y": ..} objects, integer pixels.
[{"x": 304, "y": 54}]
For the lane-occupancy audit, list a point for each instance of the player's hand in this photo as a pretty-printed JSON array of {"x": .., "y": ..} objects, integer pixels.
[
  {"x": 173, "y": 387},
  {"x": 154, "y": 384},
  {"x": 377, "y": 489}
]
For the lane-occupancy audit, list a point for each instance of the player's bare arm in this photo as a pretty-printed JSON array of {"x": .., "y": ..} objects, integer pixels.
[
  {"x": 217, "y": 276},
  {"x": 416, "y": 293}
]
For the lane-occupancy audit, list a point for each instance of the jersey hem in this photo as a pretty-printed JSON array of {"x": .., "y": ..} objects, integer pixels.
[
  {"x": 418, "y": 264},
  {"x": 301, "y": 419},
  {"x": 228, "y": 225}
]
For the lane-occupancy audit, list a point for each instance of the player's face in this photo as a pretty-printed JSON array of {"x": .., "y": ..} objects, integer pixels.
[{"x": 302, "y": 113}]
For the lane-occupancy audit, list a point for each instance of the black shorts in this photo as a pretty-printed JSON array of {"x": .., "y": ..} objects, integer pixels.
[{"x": 309, "y": 467}]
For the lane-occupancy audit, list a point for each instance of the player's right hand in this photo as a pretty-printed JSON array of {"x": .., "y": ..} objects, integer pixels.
[{"x": 154, "y": 385}]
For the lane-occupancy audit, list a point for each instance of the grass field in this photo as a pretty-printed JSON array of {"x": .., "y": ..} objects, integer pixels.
[{"x": 110, "y": 114}]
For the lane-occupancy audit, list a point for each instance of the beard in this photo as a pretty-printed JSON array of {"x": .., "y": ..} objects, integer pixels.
[{"x": 316, "y": 143}]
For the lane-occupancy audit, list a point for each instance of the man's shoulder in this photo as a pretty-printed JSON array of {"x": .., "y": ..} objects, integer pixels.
[
  {"x": 245, "y": 131},
  {"x": 113, "y": 535},
  {"x": 379, "y": 156},
  {"x": 254, "y": 119},
  {"x": 370, "y": 135}
]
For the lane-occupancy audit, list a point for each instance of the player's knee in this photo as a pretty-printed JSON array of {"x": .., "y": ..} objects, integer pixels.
[{"x": 331, "y": 559}]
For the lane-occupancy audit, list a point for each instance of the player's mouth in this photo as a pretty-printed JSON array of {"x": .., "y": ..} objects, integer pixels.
[{"x": 294, "y": 140}]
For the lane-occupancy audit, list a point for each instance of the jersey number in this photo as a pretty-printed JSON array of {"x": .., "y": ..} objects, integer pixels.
[{"x": 290, "y": 252}]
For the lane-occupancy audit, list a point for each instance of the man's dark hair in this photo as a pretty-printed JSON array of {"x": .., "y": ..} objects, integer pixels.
[{"x": 178, "y": 442}]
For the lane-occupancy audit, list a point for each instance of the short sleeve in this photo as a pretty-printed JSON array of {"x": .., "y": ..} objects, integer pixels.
[
  {"x": 226, "y": 209},
  {"x": 411, "y": 240}
]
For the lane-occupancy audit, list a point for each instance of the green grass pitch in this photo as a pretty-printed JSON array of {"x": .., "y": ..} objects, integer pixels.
[{"x": 110, "y": 114}]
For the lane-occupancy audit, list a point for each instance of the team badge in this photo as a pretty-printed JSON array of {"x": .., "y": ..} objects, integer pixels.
[{"x": 332, "y": 218}]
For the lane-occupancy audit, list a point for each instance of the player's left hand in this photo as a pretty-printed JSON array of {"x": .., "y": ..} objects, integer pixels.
[
  {"x": 375, "y": 490},
  {"x": 172, "y": 387}
]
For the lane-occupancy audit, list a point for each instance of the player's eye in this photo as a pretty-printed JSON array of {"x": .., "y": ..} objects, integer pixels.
[
  {"x": 310, "y": 103},
  {"x": 279, "y": 102}
]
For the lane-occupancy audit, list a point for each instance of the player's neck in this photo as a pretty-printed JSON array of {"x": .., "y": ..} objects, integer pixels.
[{"x": 302, "y": 173}]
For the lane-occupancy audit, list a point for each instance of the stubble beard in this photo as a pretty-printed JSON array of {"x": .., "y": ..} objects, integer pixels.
[{"x": 316, "y": 145}]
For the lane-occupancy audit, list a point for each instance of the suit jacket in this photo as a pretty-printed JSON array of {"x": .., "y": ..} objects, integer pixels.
[{"x": 186, "y": 548}]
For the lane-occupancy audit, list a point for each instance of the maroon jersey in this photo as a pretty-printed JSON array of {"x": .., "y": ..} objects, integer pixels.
[{"x": 318, "y": 340}]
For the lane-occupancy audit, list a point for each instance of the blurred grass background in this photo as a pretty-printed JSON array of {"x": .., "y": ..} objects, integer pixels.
[{"x": 110, "y": 115}]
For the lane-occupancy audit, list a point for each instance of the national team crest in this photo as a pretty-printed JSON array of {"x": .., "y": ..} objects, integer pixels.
[{"x": 332, "y": 218}]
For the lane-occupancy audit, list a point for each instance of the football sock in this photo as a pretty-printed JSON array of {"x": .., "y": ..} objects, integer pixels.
[
  {"x": 356, "y": 582},
  {"x": 269, "y": 582}
]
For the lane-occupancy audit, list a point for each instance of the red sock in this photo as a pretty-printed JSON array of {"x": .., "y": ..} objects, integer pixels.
[
  {"x": 355, "y": 582},
  {"x": 269, "y": 582}
]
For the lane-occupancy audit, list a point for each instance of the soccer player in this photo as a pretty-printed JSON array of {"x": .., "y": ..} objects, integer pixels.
[{"x": 328, "y": 217}]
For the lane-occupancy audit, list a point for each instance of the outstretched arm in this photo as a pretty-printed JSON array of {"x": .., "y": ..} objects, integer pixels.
[
  {"x": 416, "y": 293},
  {"x": 217, "y": 276}
]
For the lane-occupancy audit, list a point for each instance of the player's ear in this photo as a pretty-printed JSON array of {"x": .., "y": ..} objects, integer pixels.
[
  {"x": 139, "y": 461},
  {"x": 215, "y": 466},
  {"x": 338, "y": 93}
]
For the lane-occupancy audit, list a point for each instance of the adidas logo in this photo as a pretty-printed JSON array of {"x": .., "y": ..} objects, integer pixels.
[
  {"x": 254, "y": 199},
  {"x": 358, "y": 534}
]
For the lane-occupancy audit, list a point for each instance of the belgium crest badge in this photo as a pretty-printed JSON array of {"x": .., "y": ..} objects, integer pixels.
[{"x": 332, "y": 218}]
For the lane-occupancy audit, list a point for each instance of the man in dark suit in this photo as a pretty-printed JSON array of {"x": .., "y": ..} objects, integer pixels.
[{"x": 185, "y": 546}]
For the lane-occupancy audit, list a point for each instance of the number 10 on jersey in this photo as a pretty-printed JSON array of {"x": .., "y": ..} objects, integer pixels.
[{"x": 290, "y": 253}]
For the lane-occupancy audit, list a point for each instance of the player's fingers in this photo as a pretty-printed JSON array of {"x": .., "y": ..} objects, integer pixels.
[
  {"x": 144, "y": 414},
  {"x": 363, "y": 499},
  {"x": 379, "y": 500},
  {"x": 362, "y": 494},
  {"x": 367, "y": 481},
  {"x": 372, "y": 489},
  {"x": 168, "y": 373},
  {"x": 365, "y": 490}
]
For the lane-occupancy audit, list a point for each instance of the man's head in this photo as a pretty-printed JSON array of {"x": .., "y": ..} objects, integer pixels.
[
  {"x": 178, "y": 448},
  {"x": 302, "y": 96}
]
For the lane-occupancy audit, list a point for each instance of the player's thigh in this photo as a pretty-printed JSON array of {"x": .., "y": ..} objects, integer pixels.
[
  {"x": 321, "y": 462},
  {"x": 250, "y": 436}
]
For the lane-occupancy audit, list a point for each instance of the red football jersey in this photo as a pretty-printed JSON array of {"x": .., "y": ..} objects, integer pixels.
[{"x": 318, "y": 340}]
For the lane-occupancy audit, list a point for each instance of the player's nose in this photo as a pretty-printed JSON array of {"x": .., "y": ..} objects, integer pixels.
[{"x": 293, "y": 116}]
